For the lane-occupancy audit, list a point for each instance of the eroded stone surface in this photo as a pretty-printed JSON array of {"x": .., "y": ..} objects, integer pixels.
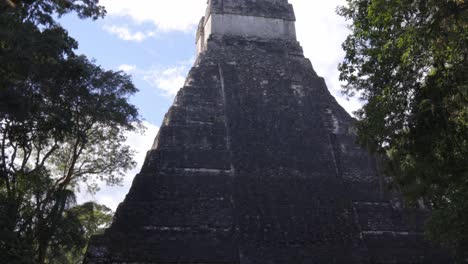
[
  {"x": 256, "y": 163},
  {"x": 264, "y": 19}
]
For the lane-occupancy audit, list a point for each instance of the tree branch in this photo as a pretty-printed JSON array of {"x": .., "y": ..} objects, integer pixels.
[
  {"x": 47, "y": 155},
  {"x": 27, "y": 151},
  {"x": 4, "y": 169}
]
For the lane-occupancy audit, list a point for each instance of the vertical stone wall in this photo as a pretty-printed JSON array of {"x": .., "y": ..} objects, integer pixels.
[{"x": 261, "y": 19}]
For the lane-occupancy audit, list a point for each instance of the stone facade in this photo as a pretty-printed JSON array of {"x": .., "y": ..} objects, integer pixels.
[
  {"x": 256, "y": 163},
  {"x": 265, "y": 19}
]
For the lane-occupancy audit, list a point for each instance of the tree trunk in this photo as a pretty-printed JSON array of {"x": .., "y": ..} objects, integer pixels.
[{"x": 41, "y": 254}]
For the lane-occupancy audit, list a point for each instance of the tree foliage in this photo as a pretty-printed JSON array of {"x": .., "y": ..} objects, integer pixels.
[
  {"x": 407, "y": 60},
  {"x": 62, "y": 122},
  {"x": 78, "y": 225}
]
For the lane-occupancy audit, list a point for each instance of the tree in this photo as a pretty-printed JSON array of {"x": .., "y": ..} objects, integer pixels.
[
  {"x": 407, "y": 60},
  {"x": 78, "y": 225},
  {"x": 62, "y": 122}
]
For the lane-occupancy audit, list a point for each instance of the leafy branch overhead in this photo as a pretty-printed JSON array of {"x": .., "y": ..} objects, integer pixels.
[
  {"x": 407, "y": 60},
  {"x": 63, "y": 121}
]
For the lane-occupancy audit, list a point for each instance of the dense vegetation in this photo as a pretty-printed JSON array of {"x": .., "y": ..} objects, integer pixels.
[
  {"x": 62, "y": 125},
  {"x": 407, "y": 60}
]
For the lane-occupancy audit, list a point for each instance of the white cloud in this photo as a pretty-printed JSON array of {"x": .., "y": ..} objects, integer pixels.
[
  {"x": 321, "y": 32},
  {"x": 125, "y": 33},
  {"x": 111, "y": 196},
  {"x": 169, "y": 80},
  {"x": 127, "y": 68},
  {"x": 167, "y": 15}
]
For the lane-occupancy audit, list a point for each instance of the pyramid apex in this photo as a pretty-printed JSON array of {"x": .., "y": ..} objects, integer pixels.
[
  {"x": 259, "y": 8},
  {"x": 257, "y": 19}
]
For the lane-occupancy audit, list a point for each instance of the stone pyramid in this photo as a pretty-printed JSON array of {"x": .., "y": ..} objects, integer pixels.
[{"x": 256, "y": 163}]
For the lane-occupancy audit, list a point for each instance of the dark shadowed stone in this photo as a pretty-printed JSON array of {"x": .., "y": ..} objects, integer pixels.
[{"x": 256, "y": 163}]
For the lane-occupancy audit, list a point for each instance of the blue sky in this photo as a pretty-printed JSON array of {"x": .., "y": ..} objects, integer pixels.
[
  {"x": 147, "y": 60},
  {"x": 154, "y": 41}
]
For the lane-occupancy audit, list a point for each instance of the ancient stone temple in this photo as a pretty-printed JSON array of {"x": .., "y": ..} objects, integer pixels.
[{"x": 256, "y": 163}]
